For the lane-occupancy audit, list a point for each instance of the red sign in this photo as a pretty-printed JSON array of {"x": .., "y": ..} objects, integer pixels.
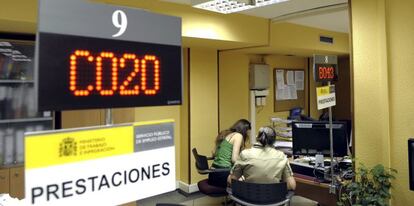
[
  {"x": 84, "y": 72},
  {"x": 118, "y": 63},
  {"x": 325, "y": 72}
]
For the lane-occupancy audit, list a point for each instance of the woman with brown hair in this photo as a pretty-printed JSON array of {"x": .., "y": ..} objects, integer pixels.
[{"x": 229, "y": 143}]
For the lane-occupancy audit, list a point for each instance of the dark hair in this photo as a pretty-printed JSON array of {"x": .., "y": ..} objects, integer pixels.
[
  {"x": 242, "y": 126},
  {"x": 266, "y": 136}
]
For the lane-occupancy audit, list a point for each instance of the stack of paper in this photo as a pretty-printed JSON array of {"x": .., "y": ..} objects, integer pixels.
[
  {"x": 277, "y": 120},
  {"x": 283, "y": 144}
]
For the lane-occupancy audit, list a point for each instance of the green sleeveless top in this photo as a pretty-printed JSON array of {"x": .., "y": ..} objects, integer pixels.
[{"x": 223, "y": 155}]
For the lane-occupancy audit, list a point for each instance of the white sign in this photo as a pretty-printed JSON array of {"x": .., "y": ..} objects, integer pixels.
[
  {"x": 100, "y": 166},
  {"x": 120, "y": 21},
  {"x": 325, "y": 96}
]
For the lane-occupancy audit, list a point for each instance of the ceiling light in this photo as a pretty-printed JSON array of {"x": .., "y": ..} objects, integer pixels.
[{"x": 231, "y": 6}]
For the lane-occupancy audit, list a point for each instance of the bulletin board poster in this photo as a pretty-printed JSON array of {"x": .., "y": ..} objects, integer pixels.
[
  {"x": 108, "y": 165},
  {"x": 290, "y": 87}
]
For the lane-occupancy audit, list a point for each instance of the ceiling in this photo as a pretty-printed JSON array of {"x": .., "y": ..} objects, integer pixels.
[{"x": 324, "y": 14}]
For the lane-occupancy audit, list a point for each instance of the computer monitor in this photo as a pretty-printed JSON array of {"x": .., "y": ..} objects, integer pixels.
[
  {"x": 411, "y": 162},
  {"x": 312, "y": 137}
]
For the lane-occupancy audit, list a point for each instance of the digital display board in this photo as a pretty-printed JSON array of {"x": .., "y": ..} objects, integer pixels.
[
  {"x": 83, "y": 72},
  {"x": 325, "y": 72},
  {"x": 91, "y": 55},
  {"x": 325, "y": 68}
]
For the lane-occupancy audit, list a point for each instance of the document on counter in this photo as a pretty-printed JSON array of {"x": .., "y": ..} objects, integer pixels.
[
  {"x": 290, "y": 78},
  {"x": 300, "y": 80},
  {"x": 280, "y": 79},
  {"x": 284, "y": 144}
]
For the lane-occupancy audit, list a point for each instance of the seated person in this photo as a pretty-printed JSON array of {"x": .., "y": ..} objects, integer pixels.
[
  {"x": 229, "y": 143},
  {"x": 263, "y": 163}
]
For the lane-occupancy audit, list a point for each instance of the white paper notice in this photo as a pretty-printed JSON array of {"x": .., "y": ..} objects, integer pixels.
[
  {"x": 286, "y": 93},
  {"x": 278, "y": 94},
  {"x": 280, "y": 79},
  {"x": 290, "y": 78},
  {"x": 300, "y": 80},
  {"x": 281, "y": 94},
  {"x": 291, "y": 92}
]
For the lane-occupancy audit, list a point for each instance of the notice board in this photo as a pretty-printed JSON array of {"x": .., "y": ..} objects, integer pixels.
[{"x": 290, "y": 86}]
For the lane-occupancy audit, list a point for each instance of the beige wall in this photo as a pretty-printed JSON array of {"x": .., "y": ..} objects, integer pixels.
[
  {"x": 383, "y": 48},
  {"x": 203, "y": 103},
  {"x": 291, "y": 37},
  {"x": 234, "y": 87},
  {"x": 400, "y": 31},
  {"x": 18, "y": 16},
  {"x": 370, "y": 82}
]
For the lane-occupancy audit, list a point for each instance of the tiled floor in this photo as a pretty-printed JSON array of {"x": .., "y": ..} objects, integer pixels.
[{"x": 199, "y": 199}]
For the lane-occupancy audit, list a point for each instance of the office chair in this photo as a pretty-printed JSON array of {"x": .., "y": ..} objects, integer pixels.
[
  {"x": 201, "y": 163},
  {"x": 254, "y": 194}
]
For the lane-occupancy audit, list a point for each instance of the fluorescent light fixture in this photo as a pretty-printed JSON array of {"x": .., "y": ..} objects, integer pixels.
[
  {"x": 16, "y": 52},
  {"x": 231, "y": 6}
]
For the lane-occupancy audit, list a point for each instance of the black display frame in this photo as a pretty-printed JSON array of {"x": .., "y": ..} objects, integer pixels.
[
  {"x": 411, "y": 163},
  {"x": 53, "y": 81},
  {"x": 306, "y": 144},
  {"x": 316, "y": 72}
]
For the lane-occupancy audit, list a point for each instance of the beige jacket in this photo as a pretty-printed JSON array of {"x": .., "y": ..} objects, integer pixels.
[{"x": 262, "y": 165}]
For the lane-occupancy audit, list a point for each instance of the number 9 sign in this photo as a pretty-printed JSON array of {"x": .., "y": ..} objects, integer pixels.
[
  {"x": 120, "y": 21},
  {"x": 106, "y": 57}
]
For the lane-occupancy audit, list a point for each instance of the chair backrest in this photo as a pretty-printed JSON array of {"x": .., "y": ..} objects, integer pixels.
[
  {"x": 259, "y": 193},
  {"x": 200, "y": 160}
]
